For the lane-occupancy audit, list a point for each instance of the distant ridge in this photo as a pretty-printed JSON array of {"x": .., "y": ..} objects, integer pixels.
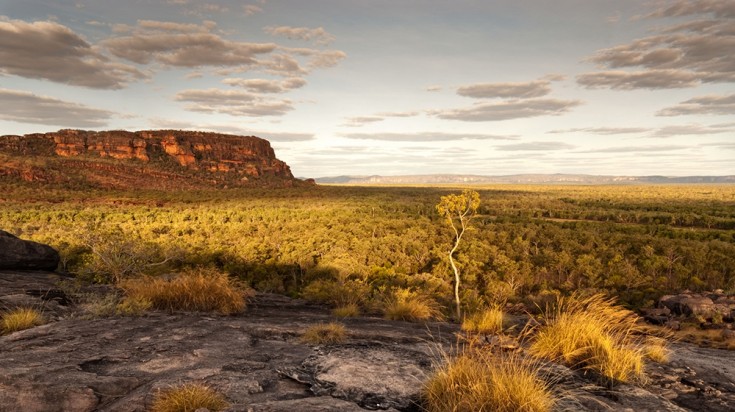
[{"x": 523, "y": 178}]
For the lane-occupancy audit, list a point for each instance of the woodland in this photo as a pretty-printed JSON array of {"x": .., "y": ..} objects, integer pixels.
[{"x": 359, "y": 245}]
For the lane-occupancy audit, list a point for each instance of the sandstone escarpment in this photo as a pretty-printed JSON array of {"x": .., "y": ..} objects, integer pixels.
[{"x": 188, "y": 155}]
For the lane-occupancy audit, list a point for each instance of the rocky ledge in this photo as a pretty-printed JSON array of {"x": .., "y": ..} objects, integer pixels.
[{"x": 256, "y": 359}]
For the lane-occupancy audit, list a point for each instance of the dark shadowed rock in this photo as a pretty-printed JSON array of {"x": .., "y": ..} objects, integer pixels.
[{"x": 19, "y": 254}]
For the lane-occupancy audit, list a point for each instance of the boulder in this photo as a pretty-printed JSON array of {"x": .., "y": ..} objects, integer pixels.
[
  {"x": 688, "y": 305},
  {"x": 19, "y": 254}
]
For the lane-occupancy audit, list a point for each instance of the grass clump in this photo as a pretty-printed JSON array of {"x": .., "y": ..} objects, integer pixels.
[
  {"x": 325, "y": 334},
  {"x": 133, "y": 306},
  {"x": 486, "y": 322},
  {"x": 483, "y": 382},
  {"x": 655, "y": 350},
  {"x": 349, "y": 310},
  {"x": 404, "y": 304},
  {"x": 592, "y": 333},
  {"x": 202, "y": 290},
  {"x": 20, "y": 319},
  {"x": 188, "y": 398}
]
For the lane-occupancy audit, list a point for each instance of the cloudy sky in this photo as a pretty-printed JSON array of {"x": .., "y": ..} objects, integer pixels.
[{"x": 391, "y": 87}]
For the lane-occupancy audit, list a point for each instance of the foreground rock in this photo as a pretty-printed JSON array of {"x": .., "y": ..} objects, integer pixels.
[
  {"x": 258, "y": 362},
  {"x": 19, "y": 254}
]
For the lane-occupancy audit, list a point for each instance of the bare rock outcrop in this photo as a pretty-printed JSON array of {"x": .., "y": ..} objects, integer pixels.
[
  {"x": 19, "y": 254},
  {"x": 234, "y": 160}
]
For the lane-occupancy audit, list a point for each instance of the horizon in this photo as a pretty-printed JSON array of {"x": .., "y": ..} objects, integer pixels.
[{"x": 348, "y": 88}]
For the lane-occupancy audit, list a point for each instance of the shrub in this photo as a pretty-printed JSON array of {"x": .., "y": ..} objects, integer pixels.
[
  {"x": 20, "y": 319},
  {"x": 336, "y": 292},
  {"x": 488, "y": 321},
  {"x": 188, "y": 397},
  {"x": 482, "y": 382},
  {"x": 133, "y": 306},
  {"x": 349, "y": 310},
  {"x": 655, "y": 350},
  {"x": 325, "y": 333},
  {"x": 202, "y": 290},
  {"x": 592, "y": 333},
  {"x": 403, "y": 304}
]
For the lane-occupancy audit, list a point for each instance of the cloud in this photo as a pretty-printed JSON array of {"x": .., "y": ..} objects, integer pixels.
[
  {"x": 724, "y": 105},
  {"x": 692, "y": 129},
  {"x": 398, "y": 114},
  {"x": 536, "y": 88},
  {"x": 251, "y": 9},
  {"x": 317, "y": 35},
  {"x": 24, "y": 107},
  {"x": 511, "y": 109},
  {"x": 536, "y": 146},
  {"x": 427, "y": 136},
  {"x": 233, "y": 102},
  {"x": 650, "y": 79},
  {"x": 719, "y": 8},
  {"x": 638, "y": 149},
  {"x": 433, "y": 88},
  {"x": 267, "y": 86},
  {"x": 184, "y": 45},
  {"x": 680, "y": 55},
  {"x": 603, "y": 130},
  {"x": 50, "y": 51},
  {"x": 378, "y": 117},
  {"x": 270, "y": 136}
]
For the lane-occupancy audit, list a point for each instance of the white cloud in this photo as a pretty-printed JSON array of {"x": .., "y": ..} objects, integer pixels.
[
  {"x": 26, "y": 107},
  {"x": 317, "y": 35},
  {"x": 505, "y": 110},
  {"x": 715, "y": 104}
]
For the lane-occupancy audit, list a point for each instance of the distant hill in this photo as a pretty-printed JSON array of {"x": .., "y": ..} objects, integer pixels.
[
  {"x": 521, "y": 179},
  {"x": 160, "y": 159}
]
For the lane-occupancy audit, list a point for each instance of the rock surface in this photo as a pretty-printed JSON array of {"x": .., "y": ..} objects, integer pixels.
[
  {"x": 19, "y": 254},
  {"x": 107, "y": 157},
  {"x": 258, "y": 362}
]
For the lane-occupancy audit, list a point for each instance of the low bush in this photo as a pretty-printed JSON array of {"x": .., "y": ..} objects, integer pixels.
[
  {"x": 591, "y": 333},
  {"x": 325, "y": 334},
  {"x": 188, "y": 398},
  {"x": 201, "y": 290},
  {"x": 349, "y": 310},
  {"x": 488, "y": 321},
  {"x": 404, "y": 304},
  {"x": 483, "y": 382},
  {"x": 133, "y": 306},
  {"x": 20, "y": 319}
]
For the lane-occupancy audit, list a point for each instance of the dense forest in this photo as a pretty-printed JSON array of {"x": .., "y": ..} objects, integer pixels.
[{"x": 344, "y": 244}]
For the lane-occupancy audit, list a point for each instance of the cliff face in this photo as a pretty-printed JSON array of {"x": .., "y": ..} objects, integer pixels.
[{"x": 210, "y": 157}]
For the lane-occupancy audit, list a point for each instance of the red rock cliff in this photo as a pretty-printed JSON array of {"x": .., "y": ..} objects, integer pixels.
[{"x": 238, "y": 157}]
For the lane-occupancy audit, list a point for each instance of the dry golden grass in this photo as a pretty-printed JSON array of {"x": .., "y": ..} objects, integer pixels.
[
  {"x": 20, "y": 319},
  {"x": 325, "y": 334},
  {"x": 188, "y": 398},
  {"x": 407, "y": 305},
  {"x": 483, "y": 382},
  {"x": 655, "y": 349},
  {"x": 133, "y": 306},
  {"x": 201, "y": 290},
  {"x": 349, "y": 310},
  {"x": 591, "y": 333},
  {"x": 488, "y": 321}
]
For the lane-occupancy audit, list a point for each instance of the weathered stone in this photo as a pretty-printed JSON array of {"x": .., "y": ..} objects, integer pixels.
[{"x": 19, "y": 254}]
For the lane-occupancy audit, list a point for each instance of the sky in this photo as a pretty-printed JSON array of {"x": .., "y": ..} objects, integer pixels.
[{"x": 400, "y": 87}]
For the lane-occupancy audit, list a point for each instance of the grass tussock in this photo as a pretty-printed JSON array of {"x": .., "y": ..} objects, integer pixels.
[
  {"x": 483, "y": 382},
  {"x": 592, "y": 333},
  {"x": 404, "y": 304},
  {"x": 486, "y": 322},
  {"x": 20, "y": 319},
  {"x": 201, "y": 290},
  {"x": 349, "y": 310},
  {"x": 188, "y": 398},
  {"x": 325, "y": 334},
  {"x": 655, "y": 349}
]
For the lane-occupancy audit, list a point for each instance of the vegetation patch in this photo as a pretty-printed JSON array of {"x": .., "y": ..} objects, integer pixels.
[
  {"x": 592, "y": 333},
  {"x": 188, "y": 398},
  {"x": 20, "y": 319},
  {"x": 488, "y": 321},
  {"x": 200, "y": 290},
  {"x": 404, "y": 304},
  {"x": 325, "y": 334},
  {"x": 349, "y": 310},
  {"x": 483, "y": 382}
]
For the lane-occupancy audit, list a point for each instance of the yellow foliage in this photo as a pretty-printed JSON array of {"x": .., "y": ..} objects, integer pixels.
[
  {"x": 349, "y": 310},
  {"x": 325, "y": 333},
  {"x": 404, "y": 304},
  {"x": 488, "y": 321},
  {"x": 199, "y": 290},
  {"x": 188, "y": 398},
  {"x": 482, "y": 382},
  {"x": 20, "y": 319}
]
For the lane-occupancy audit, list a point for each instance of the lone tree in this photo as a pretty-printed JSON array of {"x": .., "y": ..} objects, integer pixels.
[{"x": 458, "y": 210}]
